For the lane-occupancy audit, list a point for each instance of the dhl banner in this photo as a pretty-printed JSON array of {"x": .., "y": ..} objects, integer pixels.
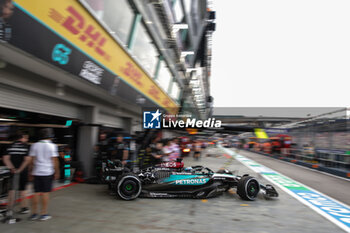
[{"x": 63, "y": 33}]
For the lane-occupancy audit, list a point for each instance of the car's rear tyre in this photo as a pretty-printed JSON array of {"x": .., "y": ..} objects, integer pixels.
[
  {"x": 128, "y": 187},
  {"x": 248, "y": 188}
]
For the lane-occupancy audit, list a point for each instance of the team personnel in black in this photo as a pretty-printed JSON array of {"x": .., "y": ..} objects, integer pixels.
[
  {"x": 121, "y": 150},
  {"x": 17, "y": 160},
  {"x": 157, "y": 153},
  {"x": 102, "y": 147}
]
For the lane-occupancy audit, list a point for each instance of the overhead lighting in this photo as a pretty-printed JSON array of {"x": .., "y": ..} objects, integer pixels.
[
  {"x": 192, "y": 69},
  {"x": 179, "y": 26},
  {"x": 6, "y": 119},
  {"x": 186, "y": 53},
  {"x": 60, "y": 89}
]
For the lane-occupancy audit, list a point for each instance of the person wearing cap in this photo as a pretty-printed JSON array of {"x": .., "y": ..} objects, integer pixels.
[{"x": 45, "y": 168}]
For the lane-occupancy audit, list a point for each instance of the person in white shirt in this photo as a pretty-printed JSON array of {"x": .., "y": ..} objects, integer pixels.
[{"x": 45, "y": 168}]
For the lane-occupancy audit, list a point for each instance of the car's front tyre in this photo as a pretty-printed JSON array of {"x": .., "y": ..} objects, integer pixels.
[
  {"x": 128, "y": 187},
  {"x": 248, "y": 188}
]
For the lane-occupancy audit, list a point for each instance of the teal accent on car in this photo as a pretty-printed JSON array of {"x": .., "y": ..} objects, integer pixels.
[
  {"x": 186, "y": 179},
  {"x": 179, "y": 177}
]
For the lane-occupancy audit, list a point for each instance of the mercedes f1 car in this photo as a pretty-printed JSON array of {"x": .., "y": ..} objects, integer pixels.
[{"x": 172, "y": 180}]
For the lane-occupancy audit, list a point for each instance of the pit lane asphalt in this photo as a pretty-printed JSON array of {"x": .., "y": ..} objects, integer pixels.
[
  {"x": 90, "y": 208},
  {"x": 337, "y": 188}
]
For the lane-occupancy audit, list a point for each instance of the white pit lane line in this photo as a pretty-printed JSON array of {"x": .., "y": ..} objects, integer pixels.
[{"x": 333, "y": 210}]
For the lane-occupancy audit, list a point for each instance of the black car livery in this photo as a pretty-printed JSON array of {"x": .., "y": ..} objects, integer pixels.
[{"x": 177, "y": 182}]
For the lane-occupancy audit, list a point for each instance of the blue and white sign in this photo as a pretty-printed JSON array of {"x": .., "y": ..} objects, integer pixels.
[
  {"x": 151, "y": 119},
  {"x": 330, "y": 207}
]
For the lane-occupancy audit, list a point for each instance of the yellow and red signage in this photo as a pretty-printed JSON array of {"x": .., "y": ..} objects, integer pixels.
[{"x": 70, "y": 20}]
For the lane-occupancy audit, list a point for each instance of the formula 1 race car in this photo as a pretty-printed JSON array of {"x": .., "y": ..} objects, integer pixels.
[{"x": 172, "y": 180}]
